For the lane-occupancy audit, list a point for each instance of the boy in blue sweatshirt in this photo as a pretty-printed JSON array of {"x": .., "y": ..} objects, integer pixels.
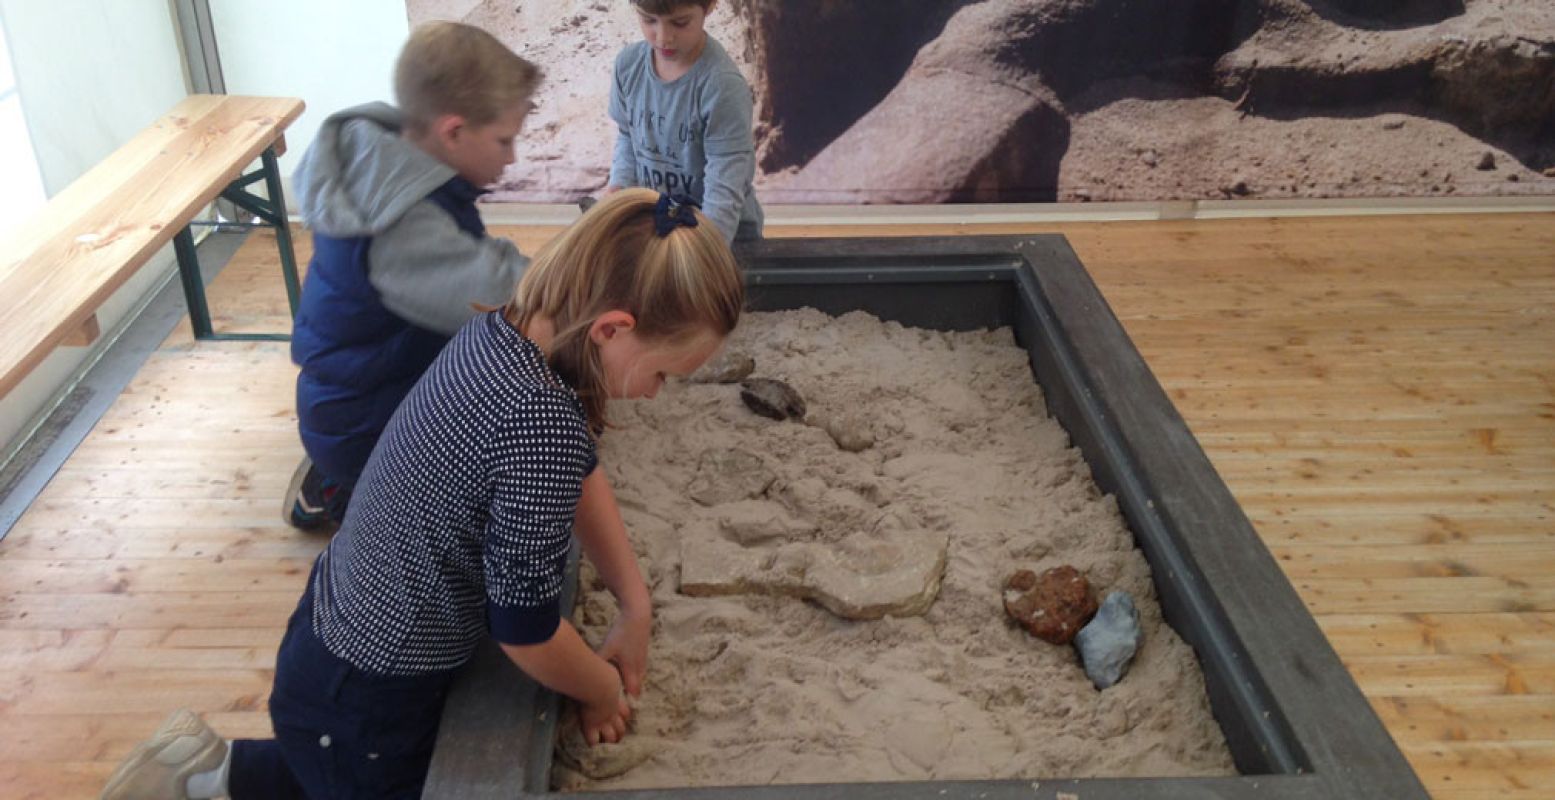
[
  {"x": 684, "y": 113},
  {"x": 399, "y": 250}
]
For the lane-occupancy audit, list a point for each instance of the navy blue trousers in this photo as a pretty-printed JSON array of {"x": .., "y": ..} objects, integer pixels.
[{"x": 341, "y": 732}]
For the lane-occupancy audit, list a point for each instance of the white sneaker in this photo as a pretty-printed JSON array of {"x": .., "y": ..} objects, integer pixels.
[{"x": 159, "y": 768}]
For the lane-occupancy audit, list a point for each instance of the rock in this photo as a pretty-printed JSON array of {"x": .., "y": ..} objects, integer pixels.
[
  {"x": 1107, "y": 645},
  {"x": 603, "y": 760},
  {"x": 772, "y": 398},
  {"x": 752, "y": 522},
  {"x": 1487, "y": 161},
  {"x": 727, "y": 475},
  {"x": 987, "y": 151},
  {"x": 1150, "y": 158},
  {"x": 1393, "y": 123},
  {"x": 1549, "y": 172},
  {"x": 586, "y": 202},
  {"x": 729, "y": 366},
  {"x": 1052, "y": 607},
  {"x": 894, "y": 570},
  {"x": 849, "y": 432}
]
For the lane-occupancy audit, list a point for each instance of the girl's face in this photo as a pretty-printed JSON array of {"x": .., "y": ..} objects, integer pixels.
[
  {"x": 676, "y": 37},
  {"x": 635, "y": 368}
]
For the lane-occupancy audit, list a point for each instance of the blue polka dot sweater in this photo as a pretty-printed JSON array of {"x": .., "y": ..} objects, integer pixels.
[{"x": 463, "y": 517}]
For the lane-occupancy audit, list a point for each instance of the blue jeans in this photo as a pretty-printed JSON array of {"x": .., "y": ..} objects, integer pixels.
[{"x": 341, "y": 732}]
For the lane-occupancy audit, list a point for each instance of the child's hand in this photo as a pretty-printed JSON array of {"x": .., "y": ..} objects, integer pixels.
[
  {"x": 604, "y": 719},
  {"x": 626, "y": 646}
]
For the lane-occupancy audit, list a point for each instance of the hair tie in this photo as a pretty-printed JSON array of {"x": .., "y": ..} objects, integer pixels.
[{"x": 672, "y": 212}]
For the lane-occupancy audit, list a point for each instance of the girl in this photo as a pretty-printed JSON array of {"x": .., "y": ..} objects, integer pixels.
[{"x": 462, "y": 522}]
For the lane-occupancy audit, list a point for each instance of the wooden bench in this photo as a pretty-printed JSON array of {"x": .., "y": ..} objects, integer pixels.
[{"x": 62, "y": 264}]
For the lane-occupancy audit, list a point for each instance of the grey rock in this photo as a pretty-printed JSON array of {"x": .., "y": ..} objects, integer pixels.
[
  {"x": 772, "y": 398},
  {"x": 1107, "y": 645},
  {"x": 729, "y": 475}
]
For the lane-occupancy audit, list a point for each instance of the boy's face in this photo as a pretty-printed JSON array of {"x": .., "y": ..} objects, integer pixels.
[
  {"x": 676, "y": 37},
  {"x": 481, "y": 152}
]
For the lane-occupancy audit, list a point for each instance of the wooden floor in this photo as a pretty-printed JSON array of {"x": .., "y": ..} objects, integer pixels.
[{"x": 1379, "y": 393}]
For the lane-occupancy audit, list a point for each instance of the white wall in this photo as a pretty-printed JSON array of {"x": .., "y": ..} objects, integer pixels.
[
  {"x": 90, "y": 74},
  {"x": 21, "y": 193},
  {"x": 332, "y": 54}
]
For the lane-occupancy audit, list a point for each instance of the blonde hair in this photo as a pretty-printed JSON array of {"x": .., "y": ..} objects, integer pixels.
[
  {"x": 453, "y": 68},
  {"x": 677, "y": 286}
]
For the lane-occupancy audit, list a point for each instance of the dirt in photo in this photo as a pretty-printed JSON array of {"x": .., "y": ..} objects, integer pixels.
[{"x": 1107, "y": 100}]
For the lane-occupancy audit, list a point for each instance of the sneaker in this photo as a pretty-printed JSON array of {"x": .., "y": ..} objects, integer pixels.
[
  {"x": 307, "y": 502},
  {"x": 160, "y": 767}
]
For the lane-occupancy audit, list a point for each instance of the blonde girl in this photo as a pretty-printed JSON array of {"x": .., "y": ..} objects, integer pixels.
[{"x": 462, "y": 521}]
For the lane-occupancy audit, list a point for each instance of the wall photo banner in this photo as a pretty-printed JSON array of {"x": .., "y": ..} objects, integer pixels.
[{"x": 988, "y": 101}]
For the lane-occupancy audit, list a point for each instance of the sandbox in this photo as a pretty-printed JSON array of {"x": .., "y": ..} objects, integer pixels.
[{"x": 1292, "y": 719}]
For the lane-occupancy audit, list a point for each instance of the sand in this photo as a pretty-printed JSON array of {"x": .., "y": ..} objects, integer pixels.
[{"x": 759, "y": 689}]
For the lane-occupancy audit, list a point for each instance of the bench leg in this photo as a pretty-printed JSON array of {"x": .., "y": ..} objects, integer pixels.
[
  {"x": 272, "y": 210},
  {"x": 283, "y": 232},
  {"x": 194, "y": 284}
]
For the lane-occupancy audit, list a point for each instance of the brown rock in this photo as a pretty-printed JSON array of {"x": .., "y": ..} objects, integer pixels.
[
  {"x": 772, "y": 398},
  {"x": 1053, "y": 606},
  {"x": 985, "y": 152}
]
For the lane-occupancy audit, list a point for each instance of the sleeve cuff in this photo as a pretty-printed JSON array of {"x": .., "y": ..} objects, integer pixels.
[{"x": 523, "y": 625}]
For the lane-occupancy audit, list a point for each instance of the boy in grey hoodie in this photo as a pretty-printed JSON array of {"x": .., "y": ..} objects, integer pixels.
[{"x": 400, "y": 252}]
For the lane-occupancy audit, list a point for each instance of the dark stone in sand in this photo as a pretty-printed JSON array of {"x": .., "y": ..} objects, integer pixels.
[{"x": 772, "y": 398}]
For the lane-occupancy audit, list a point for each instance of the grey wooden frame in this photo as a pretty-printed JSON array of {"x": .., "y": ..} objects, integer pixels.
[{"x": 1297, "y": 725}]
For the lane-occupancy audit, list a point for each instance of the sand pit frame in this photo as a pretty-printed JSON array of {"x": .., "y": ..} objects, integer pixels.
[{"x": 1297, "y": 726}]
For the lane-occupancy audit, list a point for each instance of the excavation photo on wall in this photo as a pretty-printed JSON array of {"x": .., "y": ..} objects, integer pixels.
[{"x": 946, "y": 101}]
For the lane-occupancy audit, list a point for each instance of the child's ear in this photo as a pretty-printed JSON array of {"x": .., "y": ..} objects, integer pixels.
[
  {"x": 449, "y": 127},
  {"x": 607, "y": 325}
]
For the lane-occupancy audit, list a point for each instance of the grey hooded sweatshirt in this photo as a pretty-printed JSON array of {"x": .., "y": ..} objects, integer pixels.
[{"x": 361, "y": 179}]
